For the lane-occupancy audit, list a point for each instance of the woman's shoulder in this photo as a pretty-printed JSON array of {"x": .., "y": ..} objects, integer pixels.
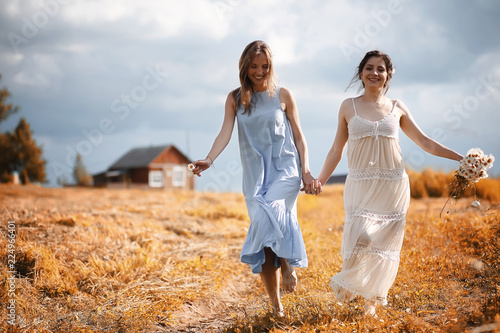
[
  {"x": 346, "y": 110},
  {"x": 234, "y": 92},
  {"x": 233, "y": 95},
  {"x": 348, "y": 101},
  {"x": 398, "y": 104},
  {"x": 347, "y": 105},
  {"x": 284, "y": 94},
  {"x": 283, "y": 90}
]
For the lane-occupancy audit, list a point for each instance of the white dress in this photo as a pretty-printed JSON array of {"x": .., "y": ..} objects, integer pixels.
[{"x": 376, "y": 199}]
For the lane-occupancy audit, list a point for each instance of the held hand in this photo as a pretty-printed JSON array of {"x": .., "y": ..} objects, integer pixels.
[
  {"x": 311, "y": 185},
  {"x": 316, "y": 188},
  {"x": 201, "y": 165}
]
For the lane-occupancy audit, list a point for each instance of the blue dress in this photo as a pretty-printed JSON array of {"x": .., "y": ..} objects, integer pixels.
[{"x": 271, "y": 182}]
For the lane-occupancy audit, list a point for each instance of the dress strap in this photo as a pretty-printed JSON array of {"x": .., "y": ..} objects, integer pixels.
[
  {"x": 394, "y": 106},
  {"x": 354, "y": 105}
]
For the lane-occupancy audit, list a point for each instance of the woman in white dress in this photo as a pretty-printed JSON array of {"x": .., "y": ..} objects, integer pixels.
[{"x": 376, "y": 193}]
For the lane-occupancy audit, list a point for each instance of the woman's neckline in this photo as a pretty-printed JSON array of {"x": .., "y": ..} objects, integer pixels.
[
  {"x": 373, "y": 121},
  {"x": 381, "y": 119}
]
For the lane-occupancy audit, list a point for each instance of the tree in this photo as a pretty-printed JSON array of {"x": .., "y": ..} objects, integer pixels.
[
  {"x": 6, "y": 110},
  {"x": 6, "y": 158},
  {"x": 5, "y": 153},
  {"x": 25, "y": 156},
  {"x": 80, "y": 173},
  {"x": 18, "y": 150}
]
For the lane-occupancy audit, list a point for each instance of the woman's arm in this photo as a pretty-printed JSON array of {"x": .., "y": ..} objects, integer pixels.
[
  {"x": 222, "y": 139},
  {"x": 290, "y": 106},
  {"x": 411, "y": 129},
  {"x": 335, "y": 154}
]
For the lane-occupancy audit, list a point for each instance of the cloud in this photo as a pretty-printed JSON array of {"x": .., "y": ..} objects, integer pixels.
[
  {"x": 150, "y": 20},
  {"x": 74, "y": 65}
]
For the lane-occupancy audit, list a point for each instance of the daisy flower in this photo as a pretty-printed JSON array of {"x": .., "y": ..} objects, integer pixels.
[{"x": 473, "y": 167}]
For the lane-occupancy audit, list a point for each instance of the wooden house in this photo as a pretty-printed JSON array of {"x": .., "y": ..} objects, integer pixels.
[{"x": 162, "y": 167}]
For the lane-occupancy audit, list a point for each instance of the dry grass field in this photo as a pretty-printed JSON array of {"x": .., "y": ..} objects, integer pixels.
[{"x": 97, "y": 260}]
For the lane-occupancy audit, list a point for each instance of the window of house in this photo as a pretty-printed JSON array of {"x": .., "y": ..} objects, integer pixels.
[
  {"x": 156, "y": 178},
  {"x": 178, "y": 176}
]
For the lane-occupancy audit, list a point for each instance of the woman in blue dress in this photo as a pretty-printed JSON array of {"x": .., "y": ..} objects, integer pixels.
[{"x": 275, "y": 160}]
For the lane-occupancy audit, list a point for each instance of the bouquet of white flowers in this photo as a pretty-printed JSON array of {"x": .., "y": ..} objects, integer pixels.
[{"x": 473, "y": 167}]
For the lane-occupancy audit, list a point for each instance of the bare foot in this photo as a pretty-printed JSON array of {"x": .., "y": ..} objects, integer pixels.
[
  {"x": 277, "y": 308},
  {"x": 278, "y": 314},
  {"x": 288, "y": 276},
  {"x": 370, "y": 309}
]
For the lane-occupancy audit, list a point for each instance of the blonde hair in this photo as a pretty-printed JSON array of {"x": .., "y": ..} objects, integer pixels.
[{"x": 243, "y": 95}]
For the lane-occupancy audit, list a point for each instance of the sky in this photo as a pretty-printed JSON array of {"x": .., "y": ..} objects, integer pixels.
[{"x": 102, "y": 77}]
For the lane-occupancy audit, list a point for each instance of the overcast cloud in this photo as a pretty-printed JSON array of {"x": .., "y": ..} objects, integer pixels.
[{"x": 102, "y": 77}]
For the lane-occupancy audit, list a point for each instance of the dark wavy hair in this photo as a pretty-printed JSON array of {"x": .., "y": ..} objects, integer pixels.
[
  {"x": 359, "y": 69},
  {"x": 243, "y": 95}
]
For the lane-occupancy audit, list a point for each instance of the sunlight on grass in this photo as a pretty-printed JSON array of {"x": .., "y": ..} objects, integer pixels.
[{"x": 96, "y": 260}]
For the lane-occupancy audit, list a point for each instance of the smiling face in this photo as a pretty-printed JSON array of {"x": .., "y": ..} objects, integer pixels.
[
  {"x": 258, "y": 72},
  {"x": 374, "y": 74}
]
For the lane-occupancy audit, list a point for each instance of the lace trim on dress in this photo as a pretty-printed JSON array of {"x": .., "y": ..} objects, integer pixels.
[
  {"x": 366, "y": 135},
  {"x": 384, "y": 174},
  {"x": 391, "y": 217},
  {"x": 384, "y": 254}
]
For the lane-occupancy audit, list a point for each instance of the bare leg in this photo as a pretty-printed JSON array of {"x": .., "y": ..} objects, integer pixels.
[
  {"x": 271, "y": 279},
  {"x": 288, "y": 275}
]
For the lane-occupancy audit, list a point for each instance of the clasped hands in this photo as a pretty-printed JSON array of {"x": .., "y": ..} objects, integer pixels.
[{"x": 311, "y": 185}]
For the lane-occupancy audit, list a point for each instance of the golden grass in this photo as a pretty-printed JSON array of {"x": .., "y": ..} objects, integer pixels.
[
  {"x": 95, "y": 260},
  {"x": 435, "y": 184}
]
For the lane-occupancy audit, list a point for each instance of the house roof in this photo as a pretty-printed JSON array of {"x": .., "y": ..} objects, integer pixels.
[{"x": 138, "y": 157}]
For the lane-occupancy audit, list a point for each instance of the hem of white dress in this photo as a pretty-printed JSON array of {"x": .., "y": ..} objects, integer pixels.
[{"x": 345, "y": 292}]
